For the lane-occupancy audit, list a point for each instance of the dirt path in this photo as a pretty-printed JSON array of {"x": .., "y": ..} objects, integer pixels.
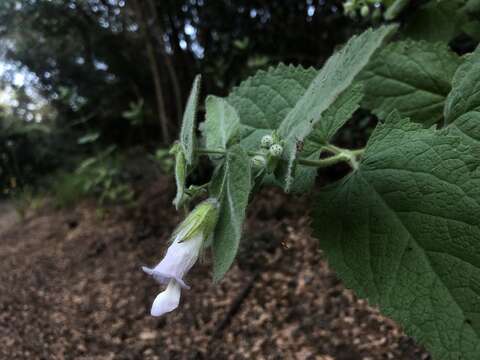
[
  {"x": 8, "y": 216},
  {"x": 71, "y": 288}
]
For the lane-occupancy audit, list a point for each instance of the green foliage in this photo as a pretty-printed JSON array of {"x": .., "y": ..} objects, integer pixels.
[
  {"x": 68, "y": 189},
  {"x": 25, "y": 199},
  {"x": 413, "y": 77},
  {"x": 25, "y": 152},
  {"x": 88, "y": 138},
  {"x": 135, "y": 114},
  {"x": 231, "y": 184},
  {"x": 263, "y": 100},
  {"x": 335, "y": 116},
  {"x": 402, "y": 228},
  {"x": 164, "y": 160},
  {"x": 403, "y": 232},
  {"x": 471, "y": 23},
  {"x": 222, "y": 123},
  {"x": 395, "y": 8},
  {"x": 187, "y": 132},
  {"x": 462, "y": 108},
  {"x": 180, "y": 175},
  {"x": 336, "y": 76},
  {"x": 101, "y": 177},
  {"x": 437, "y": 20}
]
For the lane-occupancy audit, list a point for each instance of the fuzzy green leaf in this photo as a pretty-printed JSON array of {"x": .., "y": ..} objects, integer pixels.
[
  {"x": 462, "y": 108},
  {"x": 264, "y": 99},
  {"x": 336, "y": 115},
  {"x": 180, "y": 176},
  {"x": 231, "y": 184},
  {"x": 187, "y": 132},
  {"x": 403, "y": 231},
  {"x": 334, "y": 118},
  {"x": 413, "y": 77},
  {"x": 222, "y": 123},
  {"x": 336, "y": 76},
  {"x": 395, "y": 9}
]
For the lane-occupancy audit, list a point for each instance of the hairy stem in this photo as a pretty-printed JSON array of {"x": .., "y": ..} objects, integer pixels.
[{"x": 341, "y": 155}]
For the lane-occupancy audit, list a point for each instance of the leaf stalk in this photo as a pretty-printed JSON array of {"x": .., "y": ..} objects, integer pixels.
[{"x": 340, "y": 155}]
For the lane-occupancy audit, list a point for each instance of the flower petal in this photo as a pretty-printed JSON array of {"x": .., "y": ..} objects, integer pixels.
[
  {"x": 167, "y": 300},
  {"x": 180, "y": 257},
  {"x": 164, "y": 278}
]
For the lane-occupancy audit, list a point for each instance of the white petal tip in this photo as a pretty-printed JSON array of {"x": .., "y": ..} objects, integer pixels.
[
  {"x": 167, "y": 300},
  {"x": 147, "y": 270}
]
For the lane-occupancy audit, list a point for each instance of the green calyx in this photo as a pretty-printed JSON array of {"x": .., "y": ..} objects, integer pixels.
[{"x": 201, "y": 220}]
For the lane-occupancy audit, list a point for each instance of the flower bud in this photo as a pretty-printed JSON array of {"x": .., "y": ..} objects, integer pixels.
[
  {"x": 365, "y": 11},
  {"x": 349, "y": 7},
  {"x": 266, "y": 141},
  {"x": 259, "y": 162},
  {"x": 276, "y": 150}
]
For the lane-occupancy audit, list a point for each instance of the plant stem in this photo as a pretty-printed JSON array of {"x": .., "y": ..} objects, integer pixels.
[
  {"x": 357, "y": 152},
  {"x": 341, "y": 155},
  {"x": 209, "y": 151},
  {"x": 322, "y": 163}
]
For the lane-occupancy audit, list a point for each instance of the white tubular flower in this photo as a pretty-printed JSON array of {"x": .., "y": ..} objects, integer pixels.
[{"x": 182, "y": 254}]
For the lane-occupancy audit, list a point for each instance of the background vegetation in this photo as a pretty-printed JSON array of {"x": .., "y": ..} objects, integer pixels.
[
  {"x": 88, "y": 78},
  {"x": 89, "y": 85}
]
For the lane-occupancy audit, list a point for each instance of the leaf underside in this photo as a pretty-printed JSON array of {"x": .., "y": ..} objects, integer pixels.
[
  {"x": 232, "y": 184},
  {"x": 222, "y": 123},
  {"x": 336, "y": 76},
  {"x": 187, "y": 132},
  {"x": 333, "y": 119}
]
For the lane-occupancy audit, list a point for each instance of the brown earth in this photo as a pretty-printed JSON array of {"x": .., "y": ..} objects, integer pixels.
[{"x": 71, "y": 288}]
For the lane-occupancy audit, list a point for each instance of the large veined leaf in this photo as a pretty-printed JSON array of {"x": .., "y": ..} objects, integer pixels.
[
  {"x": 231, "y": 184},
  {"x": 436, "y": 21},
  {"x": 413, "y": 77},
  {"x": 336, "y": 76},
  {"x": 462, "y": 108},
  {"x": 403, "y": 231},
  {"x": 187, "y": 132},
  {"x": 222, "y": 123},
  {"x": 264, "y": 99}
]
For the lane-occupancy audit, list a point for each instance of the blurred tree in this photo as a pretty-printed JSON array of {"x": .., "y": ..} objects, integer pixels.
[
  {"x": 93, "y": 57},
  {"x": 90, "y": 60}
]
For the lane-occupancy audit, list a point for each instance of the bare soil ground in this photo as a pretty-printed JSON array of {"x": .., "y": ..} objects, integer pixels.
[{"x": 71, "y": 288}]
